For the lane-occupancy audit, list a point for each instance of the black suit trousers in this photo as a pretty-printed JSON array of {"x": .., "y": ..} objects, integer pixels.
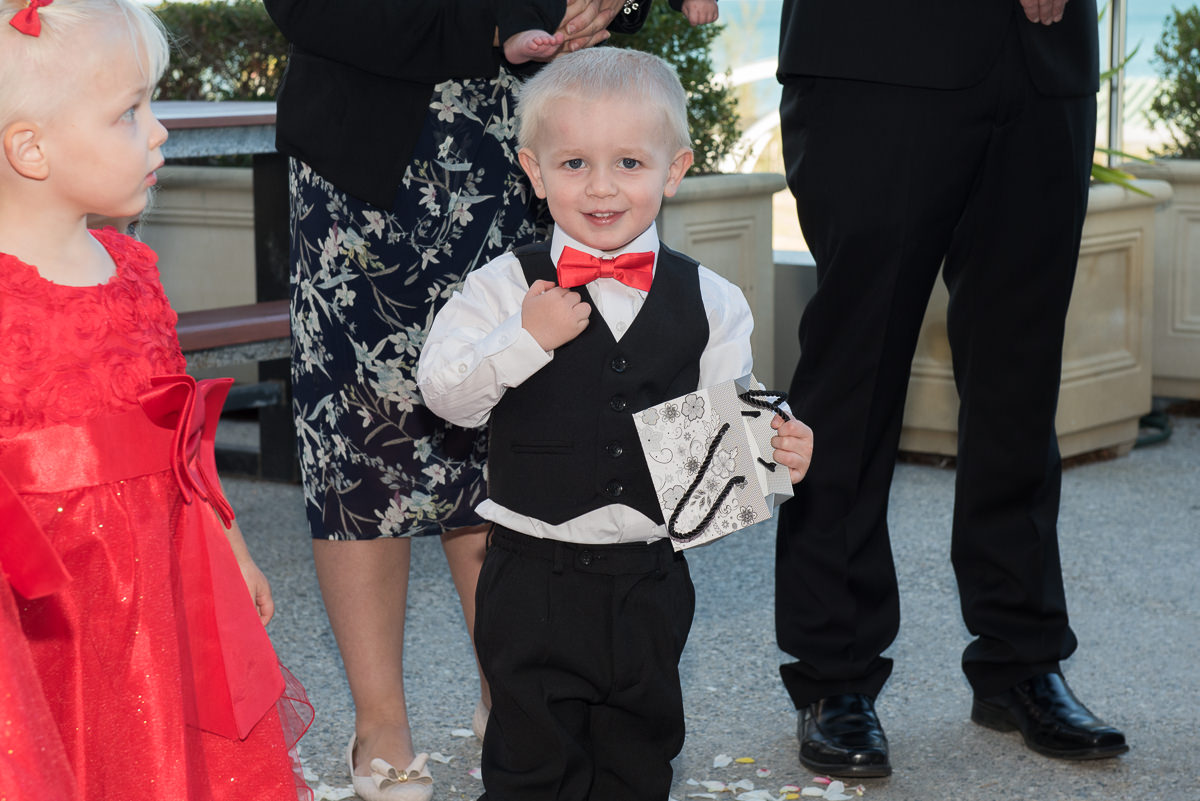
[
  {"x": 581, "y": 645},
  {"x": 890, "y": 182}
]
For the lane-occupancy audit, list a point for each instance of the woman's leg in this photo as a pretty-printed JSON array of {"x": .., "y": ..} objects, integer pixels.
[
  {"x": 364, "y": 584},
  {"x": 464, "y": 549}
]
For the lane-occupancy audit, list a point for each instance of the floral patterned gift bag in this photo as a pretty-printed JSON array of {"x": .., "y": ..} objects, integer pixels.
[{"x": 709, "y": 454}]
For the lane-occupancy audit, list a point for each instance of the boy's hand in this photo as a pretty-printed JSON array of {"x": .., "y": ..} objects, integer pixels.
[
  {"x": 700, "y": 12},
  {"x": 532, "y": 46},
  {"x": 552, "y": 315},
  {"x": 793, "y": 444}
]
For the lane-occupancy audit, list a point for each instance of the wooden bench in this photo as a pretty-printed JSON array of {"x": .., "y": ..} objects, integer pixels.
[
  {"x": 235, "y": 334},
  {"x": 253, "y": 333}
]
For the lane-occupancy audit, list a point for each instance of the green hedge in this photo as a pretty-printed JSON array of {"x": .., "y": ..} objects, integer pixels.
[
  {"x": 222, "y": 50},
  {"x": 712, "y": 107},
  {"x": 1177, "y": 104}
]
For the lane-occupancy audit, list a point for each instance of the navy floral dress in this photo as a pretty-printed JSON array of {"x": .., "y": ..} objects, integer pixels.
[{"x": 365, "y": 285}]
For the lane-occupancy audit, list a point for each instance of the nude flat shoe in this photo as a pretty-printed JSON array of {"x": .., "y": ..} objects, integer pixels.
[{"x": 386, "y": 783}]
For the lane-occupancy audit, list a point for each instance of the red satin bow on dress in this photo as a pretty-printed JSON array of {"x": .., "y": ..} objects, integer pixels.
[
  {"x": 233, "y": 665},
  {"x": 632, "y": 269},
  {"x": 193, "y": 409},
  {"x": 27, "y": 20}
]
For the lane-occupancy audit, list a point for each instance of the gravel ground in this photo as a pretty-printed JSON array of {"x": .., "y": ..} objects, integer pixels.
[{"x": 1130, "y": 537}]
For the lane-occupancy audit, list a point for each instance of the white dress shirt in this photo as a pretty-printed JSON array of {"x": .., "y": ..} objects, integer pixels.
[{"x": 476, "y": 349}]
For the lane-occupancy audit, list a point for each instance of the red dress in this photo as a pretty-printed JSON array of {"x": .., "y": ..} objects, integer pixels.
[{"x": 140, "y": 672}]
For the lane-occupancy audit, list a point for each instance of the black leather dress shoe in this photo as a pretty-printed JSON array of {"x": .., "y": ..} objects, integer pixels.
[
  {"x": 841, "y": 736},
  {"x": 1051, "y": 719}
]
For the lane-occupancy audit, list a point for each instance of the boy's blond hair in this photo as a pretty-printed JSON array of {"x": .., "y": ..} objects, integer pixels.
[
  {"x": 645, "y": 79},
  {"x": 30, "y": 64}
]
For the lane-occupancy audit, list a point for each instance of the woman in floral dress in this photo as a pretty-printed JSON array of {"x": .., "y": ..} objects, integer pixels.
[{"x": 403, "y": 179}]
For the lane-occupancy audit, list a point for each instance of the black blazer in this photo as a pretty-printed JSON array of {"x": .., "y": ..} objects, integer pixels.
[
  {"x": 937, "y": 44},
  {"x": 360, "y": 74}
]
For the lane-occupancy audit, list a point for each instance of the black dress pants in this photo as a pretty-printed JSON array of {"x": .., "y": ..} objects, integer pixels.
[
  {"x": 891, "y": 181},
  {"x": 581, "y": 647}
]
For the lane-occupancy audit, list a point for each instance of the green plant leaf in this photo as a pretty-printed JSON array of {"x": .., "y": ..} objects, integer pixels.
[{"x": 1110, "y": 175}]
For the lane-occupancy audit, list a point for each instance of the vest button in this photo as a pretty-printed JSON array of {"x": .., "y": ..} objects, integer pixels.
[
  {"x": 618, "y": 403},
  {"x": 619, "y": 364},
  {"x": 614, "y": 449},
  {"x": 614, "y": 489}
]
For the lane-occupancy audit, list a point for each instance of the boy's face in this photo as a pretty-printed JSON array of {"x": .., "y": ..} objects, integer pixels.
[{"x": 604, "y": 166}]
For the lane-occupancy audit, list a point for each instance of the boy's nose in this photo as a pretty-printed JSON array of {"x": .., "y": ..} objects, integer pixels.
[{"x": 602, "y": 184}]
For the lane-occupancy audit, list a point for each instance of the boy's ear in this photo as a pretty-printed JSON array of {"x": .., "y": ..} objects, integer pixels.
[
  {"x": 531, "y": 167},
  {"x": 22, "y": 142},
  {"x": 678, "y": 169}
]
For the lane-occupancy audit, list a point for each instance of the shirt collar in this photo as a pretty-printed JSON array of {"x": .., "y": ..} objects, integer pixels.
[{"x": 646, "y": 241}]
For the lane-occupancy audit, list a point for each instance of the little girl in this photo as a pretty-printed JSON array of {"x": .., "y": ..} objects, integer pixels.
[{"x": 134, "y": 662}]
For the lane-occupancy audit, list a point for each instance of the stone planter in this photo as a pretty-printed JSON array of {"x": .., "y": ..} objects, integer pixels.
[
  {"x": 724, "y": 222},
  {"x": 1106, "y": 375},
  {"x": 1176, "y": 279},
  {"x": 201, "y": 224}
]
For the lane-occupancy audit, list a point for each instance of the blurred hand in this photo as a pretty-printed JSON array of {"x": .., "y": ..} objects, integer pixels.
[
  {"x": 700, "y": 12},
  {"x": 1047, "y": 12},
  {"x": 586, "y": 22}
]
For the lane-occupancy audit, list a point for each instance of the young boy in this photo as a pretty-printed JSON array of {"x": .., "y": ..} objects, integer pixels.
[{"x": 583, "y": 606}]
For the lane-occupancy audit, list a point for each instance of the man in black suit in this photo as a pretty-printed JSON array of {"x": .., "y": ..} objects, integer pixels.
[{"x": 915, "y": 133}]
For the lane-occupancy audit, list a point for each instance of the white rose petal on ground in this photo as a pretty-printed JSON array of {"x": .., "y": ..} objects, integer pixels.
[
  {"x": 756, "y": 795},
  {"x": 324, "y": 792},
  {"x": 722, "y": 760}
]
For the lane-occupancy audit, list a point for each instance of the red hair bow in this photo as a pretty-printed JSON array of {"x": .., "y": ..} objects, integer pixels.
[{"x": 27, "y": 20}]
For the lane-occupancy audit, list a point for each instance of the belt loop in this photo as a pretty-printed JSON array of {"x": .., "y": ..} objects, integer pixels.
[
  {"x": 487, "y": 537},
  {"x": 558, "y": 558},
  {"x": 665, "y": 555}
]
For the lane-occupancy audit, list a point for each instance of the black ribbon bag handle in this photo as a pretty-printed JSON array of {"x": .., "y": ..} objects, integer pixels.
[
  {"x": 751, "y": 397},
  {"x": 736, "y": 481}
]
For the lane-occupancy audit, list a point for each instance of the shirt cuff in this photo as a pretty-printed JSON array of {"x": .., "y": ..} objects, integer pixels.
[{"x": 513, "y": 353}]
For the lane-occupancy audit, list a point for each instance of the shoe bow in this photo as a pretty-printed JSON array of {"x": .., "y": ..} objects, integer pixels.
[{"x": 385, "y": 776}]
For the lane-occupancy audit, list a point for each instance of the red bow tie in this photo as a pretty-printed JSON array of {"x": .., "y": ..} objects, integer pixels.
[{"x": 631, "y": 269}]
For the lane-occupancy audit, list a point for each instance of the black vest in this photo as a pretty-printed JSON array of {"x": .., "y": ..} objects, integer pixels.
[{"x": 563, "y": 442}]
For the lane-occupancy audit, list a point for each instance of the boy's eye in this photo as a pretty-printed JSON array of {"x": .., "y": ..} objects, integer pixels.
[
  {"x": 130, "y": 113},
  {"x": 574, "y": 164},
  {"x": 629, "y": 163}
]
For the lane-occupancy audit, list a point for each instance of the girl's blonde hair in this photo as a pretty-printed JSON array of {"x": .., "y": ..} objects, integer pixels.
[
  {"x": 645, "y": 79},
  {"x": 28, "y": 63}
]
